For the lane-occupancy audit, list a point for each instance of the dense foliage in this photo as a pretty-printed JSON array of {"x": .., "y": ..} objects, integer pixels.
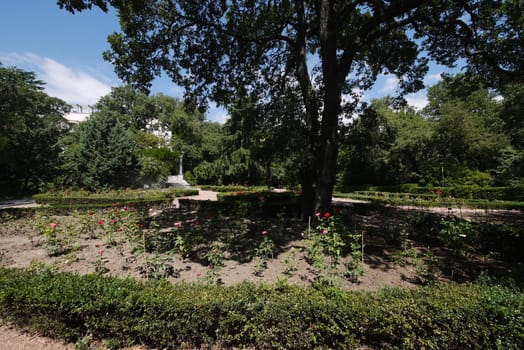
[
  {"x": 164, "y": 315},
  {"x": 111, "y": 198},
  {"x": 100, "y": 153},
  {"x": 462, "y": 137},
  {"x": 31, "y": 124},
  {"x": 220, "y": 50}
]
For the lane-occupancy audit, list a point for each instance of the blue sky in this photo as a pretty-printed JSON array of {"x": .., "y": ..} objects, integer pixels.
[{"x": 65, "y": 51}]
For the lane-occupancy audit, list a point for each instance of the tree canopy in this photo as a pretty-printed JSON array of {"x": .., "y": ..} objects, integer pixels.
[
  {"x": 217, "y": 48},
  {"x": 31, "y": 123}
]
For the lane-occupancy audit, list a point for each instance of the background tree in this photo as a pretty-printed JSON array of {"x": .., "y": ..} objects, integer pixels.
[
  {"x": 387, "y": 146},
  {"x": 135, "y": 109},
  {"x": 163, "y": 127},
  {"x": 214, "y": 48},
  {"x": 262, "y": 141},
  {"x": 511, "y": 169},
  {"x": 469, "y": 136},
  {"x": 101, "y": 153},
  {"x": 31, "y": 123}
]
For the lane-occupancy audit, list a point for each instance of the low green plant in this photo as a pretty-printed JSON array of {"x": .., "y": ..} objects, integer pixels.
[
  {"x": 290, "y": 262},
  {"x": 6, "y": 217},
  {"x": 181, "y": 245},
  {"x": 266, "y": 247},
  {"x": 215, "y": 259},
  {"x": 100, "y": 262},
  {"x": 328, "y": 233},
  {"x": 260, "y": 266},
  {"x": 353, "y": 270},
  {"x": 263, "y": 253},
  {"x": 314, "y": 251},
  {"x": 155, "y": 267},
  {"x": 84, "y": 343},
  {"x": 56, "y": 240},
  {"x": 455, "y": 233}
]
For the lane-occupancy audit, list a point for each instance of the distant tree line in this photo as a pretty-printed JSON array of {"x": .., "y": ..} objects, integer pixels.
[{"x": 467, "y": 134}]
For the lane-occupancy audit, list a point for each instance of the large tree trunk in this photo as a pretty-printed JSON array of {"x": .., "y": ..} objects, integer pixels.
[
  {"x": 332, "y": 96},
  {"x": 309, "y": 171}
]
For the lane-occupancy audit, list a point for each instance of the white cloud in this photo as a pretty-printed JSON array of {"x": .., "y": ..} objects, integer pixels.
[
  {"x": 72, "y": 86},
  {"x": 217, "y": 114},
  {"x": 418, "y": 100},
  {"x": 390, "y": 85},
  {"x": 431, "y": 79}
]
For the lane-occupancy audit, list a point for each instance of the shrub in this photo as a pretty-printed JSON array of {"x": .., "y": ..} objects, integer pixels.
[
  {"x": 108, "y": 198},
  {"x": 160, "y": 314},
  {"x": 265, "y": 203}
]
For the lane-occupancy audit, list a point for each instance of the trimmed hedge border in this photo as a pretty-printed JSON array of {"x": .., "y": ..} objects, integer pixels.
[
  {"x": 160, "y": 314},
  {"x": 504, "y": 193},
  {"x": 232, "y": 188},
  {"x": 429, "y": 200},
  {"x": 80, "y": 198},
  {"x": 263, "y": 202}
]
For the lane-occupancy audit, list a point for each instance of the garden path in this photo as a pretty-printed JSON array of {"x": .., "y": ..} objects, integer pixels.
[{"x": 14, "y": 339}]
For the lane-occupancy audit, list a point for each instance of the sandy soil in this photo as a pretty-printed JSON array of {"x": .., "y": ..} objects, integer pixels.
[{"x": 15, "y": 339}]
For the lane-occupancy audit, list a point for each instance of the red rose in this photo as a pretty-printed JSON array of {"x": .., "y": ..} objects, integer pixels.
[{"x": 327, "y": 214}]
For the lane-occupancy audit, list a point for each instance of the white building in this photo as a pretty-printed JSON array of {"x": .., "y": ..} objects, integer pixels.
[{"x": 79, "y": 113}]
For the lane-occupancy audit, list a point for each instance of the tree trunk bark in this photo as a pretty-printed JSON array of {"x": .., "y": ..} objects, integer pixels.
[
  {"x": 309, "y": 171},
  {"x": 269, "y": 175},
  {"x": 332, "y": 98}
]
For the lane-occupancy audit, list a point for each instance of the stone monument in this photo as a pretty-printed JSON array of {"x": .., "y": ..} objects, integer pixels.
[{"x": 178, "y": 180}]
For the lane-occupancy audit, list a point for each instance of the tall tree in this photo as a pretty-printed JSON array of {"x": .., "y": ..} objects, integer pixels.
[
  {"x": 216, "y": 48},
  {"x": 470, "y": 131},
  {"x": 387, "y": 146},
  {"x": 135, "y": 109},
  {"x": 101, "y": 153},
  {"x": 31, "y": 123}
]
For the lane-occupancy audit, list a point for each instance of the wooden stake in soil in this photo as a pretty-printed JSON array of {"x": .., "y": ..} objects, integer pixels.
[
  {"x": 362, "y": 246},
  {"x": 309, "y": 227},
  {"x": 145, "y": 255}
]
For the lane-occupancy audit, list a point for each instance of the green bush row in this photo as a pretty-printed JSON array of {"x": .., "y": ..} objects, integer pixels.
[
  {"x": 431, "y": 201},
  {"x": 261, "y": 196},
  {"x": 509, "y": 193},
  {"x": 109, "y": 198},
  {"x": 265, "y": 203},
  {"x": 231, "y": 188},
  {"x": 160, "y": 314}
]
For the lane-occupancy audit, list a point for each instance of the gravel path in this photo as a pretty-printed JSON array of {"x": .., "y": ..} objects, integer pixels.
[{"x": 18, "y": 203}]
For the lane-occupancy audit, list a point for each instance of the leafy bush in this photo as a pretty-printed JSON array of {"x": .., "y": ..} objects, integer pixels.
[
  {"x": 444, "y": 197},
  {"x": 508, "y": 193},
  {"x": 107, "y": 198},
  {"x": 266, "y": 203},
  {"x": 228, "y": 188},
  {"x": 160, "y": 314}
]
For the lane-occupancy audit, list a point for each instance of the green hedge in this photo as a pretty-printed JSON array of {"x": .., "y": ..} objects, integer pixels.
[
  {"x": 108, "y": 198},
  {"x": 264, "y": 203},
  {"x": 430, "y": 200},
  {"x": 257, "y": 196},
  {"x": 232, "y": 188},
  {"x": 508, "y": 193},
  {"x": 160, "y": 314}
]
